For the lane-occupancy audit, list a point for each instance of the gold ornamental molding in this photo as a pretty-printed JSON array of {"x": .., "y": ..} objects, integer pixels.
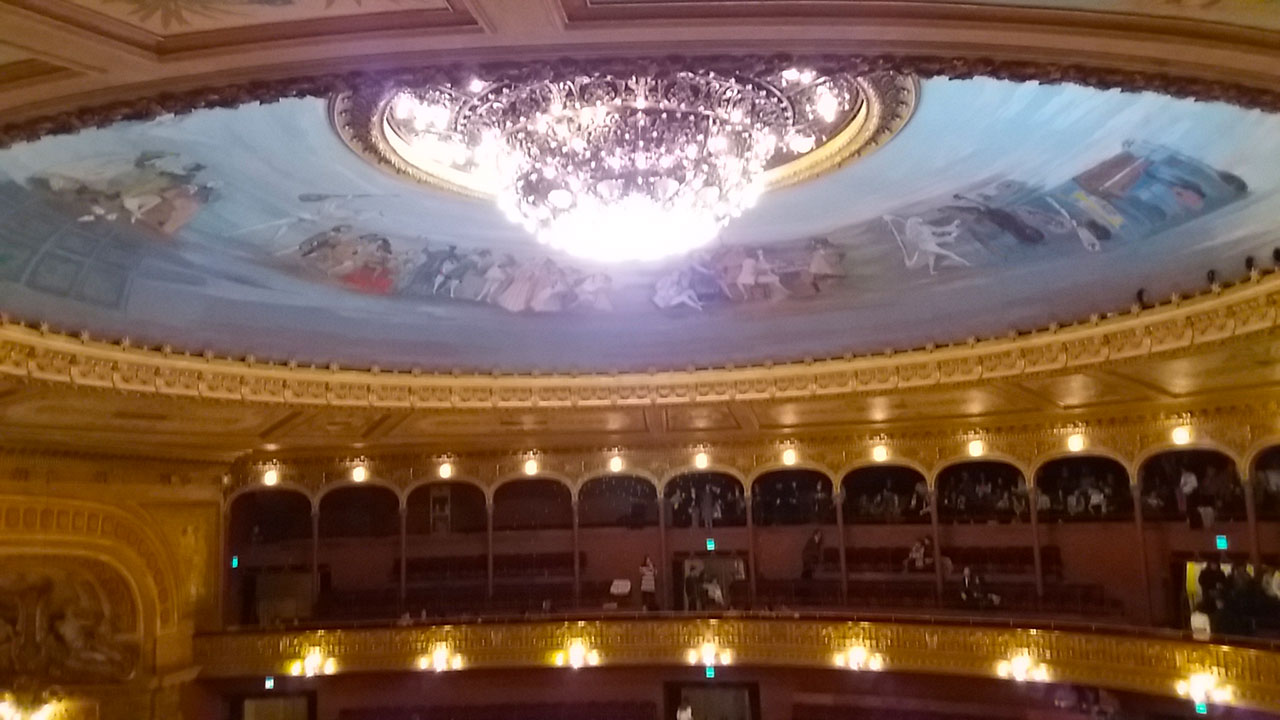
[
  {"x": 1150, "y": 664},
  {"x": 1247, "y": 309}
]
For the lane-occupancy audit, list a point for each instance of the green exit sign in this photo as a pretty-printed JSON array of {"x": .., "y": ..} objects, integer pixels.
[
  {"x": 711, "y": 543},
  {"x": 1221, "y": 541}
]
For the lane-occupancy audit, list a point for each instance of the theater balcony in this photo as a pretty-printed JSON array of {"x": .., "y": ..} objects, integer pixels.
[{"x": 639, "y": 359}]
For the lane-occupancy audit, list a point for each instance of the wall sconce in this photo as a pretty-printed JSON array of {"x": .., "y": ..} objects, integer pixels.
[
  {"x": 577, "y": 655},
  {"x": 1022, "y": 668},
  {"x": 615, "y": 464},
  {"x": 880, "y": 453},
  {"x": 977, "y": 448},
  {"x": 1181, "y": 435},
  {"x": 315, "y": 663},
  {"x": 790, "y": 456},
  {"x": 1075, "y": 443},
  {"x": 701, "y": 461},
  {"x": 531, "y": 466},
  {"x": 270, "y": 477},
  {"x": 359, "y": 473},
  {"x": 445, "y": 471},
  {"x": 1202, "y": 688},
  {"x": 859, "y": 658},
  {"x": 442, "y": 658},
  {"x": 709, "y": 654}
]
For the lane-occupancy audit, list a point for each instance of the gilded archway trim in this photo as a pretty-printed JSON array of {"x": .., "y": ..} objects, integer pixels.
[{"x": 112, "y": 534}]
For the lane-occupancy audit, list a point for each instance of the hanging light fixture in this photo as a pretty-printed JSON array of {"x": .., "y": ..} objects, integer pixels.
[{"x": 626, "y": 161}]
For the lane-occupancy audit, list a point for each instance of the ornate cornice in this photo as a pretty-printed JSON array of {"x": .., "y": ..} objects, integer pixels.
[
  {"x": 325, "y": 85},
  {"x": 1139, "y": 663},
  {"x": 1248, "y": 309}
]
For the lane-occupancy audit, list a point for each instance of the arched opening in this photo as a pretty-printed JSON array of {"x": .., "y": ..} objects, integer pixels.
[
  {"x": 533, "y": 562},
  {"x": 883, "y": 507},
  {"x": 269, "y": 541},
  {"x": 1200, "y": 487},
  {"x": 618, "y": 517},
  {"x": 790, "y": 562},
  {"x": 706, "y": 500},
  {"x": 982, "y": 491},
  {"x": 358, "y": 553},
  {"x": 446, "y": 556},
  {"x": 1266, "y": 484},
  {"x": 1083, "y": 489},
  {"x": 885, "y": 494},
  {"x": 618, "y": 501},
  {"x": 793, "y": 497},
  {"x": 708, "y": 540},
  {"x": 984, "y": 516}
]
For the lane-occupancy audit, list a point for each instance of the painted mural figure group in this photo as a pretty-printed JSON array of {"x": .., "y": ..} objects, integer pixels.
[
  {"x": 738, "y": 274},
  {"x": 368, "y": 263},
  {"x": 156, "y": 190}
]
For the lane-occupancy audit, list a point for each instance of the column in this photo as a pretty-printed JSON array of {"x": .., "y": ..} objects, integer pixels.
[
  {"x": 404, "y": 546},
  {"x": 1251, "y": 514},
  {"x": 844, "y": 573},
  {"x": 224, "y": 580},
  {"x": 577, "y": 562},
  {"x": 938, "y": 580},
  {"x": 751, "y": 547},
  {"x": 664, "y": 563},
  {"x": 315, "y": 555},
  {"x": 1032, "y": 499},
  {"x": 1142, "y": 548},
  {"x": 488, "y": 546}
]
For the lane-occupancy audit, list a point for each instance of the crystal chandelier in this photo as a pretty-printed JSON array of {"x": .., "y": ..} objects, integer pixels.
[{"x": 610, "y": 166}]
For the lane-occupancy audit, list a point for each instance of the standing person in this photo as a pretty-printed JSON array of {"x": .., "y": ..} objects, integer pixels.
[
  {"x": 811, "y": 555},
  {"x": 648, "y": 585},
  {"x": 685, "y": 711}
]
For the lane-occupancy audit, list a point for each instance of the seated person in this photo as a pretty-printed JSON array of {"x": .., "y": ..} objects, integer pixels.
[
  {"x": 973, "y": 591},
  {"x": 920, "y": 558}
]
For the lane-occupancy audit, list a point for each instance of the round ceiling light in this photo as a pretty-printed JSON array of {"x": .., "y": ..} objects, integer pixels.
[{"x": 626, "y": 162}]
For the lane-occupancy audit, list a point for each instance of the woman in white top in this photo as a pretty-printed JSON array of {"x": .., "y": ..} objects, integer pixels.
[{"x": 648, "y": 584}]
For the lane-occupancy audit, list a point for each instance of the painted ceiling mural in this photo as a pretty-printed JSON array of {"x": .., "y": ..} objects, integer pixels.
[{"x": 1000, "y": 206}]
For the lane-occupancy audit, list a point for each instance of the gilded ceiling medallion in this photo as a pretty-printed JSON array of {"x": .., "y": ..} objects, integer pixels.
[{"x": 662, "y": 155}]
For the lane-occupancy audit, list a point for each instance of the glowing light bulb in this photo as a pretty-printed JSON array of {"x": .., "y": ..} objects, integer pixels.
[
  {"x": 270, "y": 477},
  {"x": 977, "y": 448},
  {"x": 445, "y": 471},
  {"x": 1075, "y": 443},
  {"x": 530, "y": 467},
  {"x": 701, "y": 461},
  {"x": 789, "y": 456},
  {"x": 880, "y": 453},
  {"x": 1181, "y": 435},
  {"x": 615, "y": 463},
  {"x": 359, "y": 474}
]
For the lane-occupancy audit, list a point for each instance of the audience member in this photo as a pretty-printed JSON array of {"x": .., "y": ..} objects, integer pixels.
[
  {"x": 982, "y": 492},
  {"x": 648, "y": 585},
  {"x": 973, "y": 591},
  {"x": 1199, "y": 486},
  {"x": 811, "y": 555}
]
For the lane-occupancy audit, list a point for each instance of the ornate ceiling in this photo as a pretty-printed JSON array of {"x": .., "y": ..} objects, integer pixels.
[{"x": 1013, "y": 148}]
